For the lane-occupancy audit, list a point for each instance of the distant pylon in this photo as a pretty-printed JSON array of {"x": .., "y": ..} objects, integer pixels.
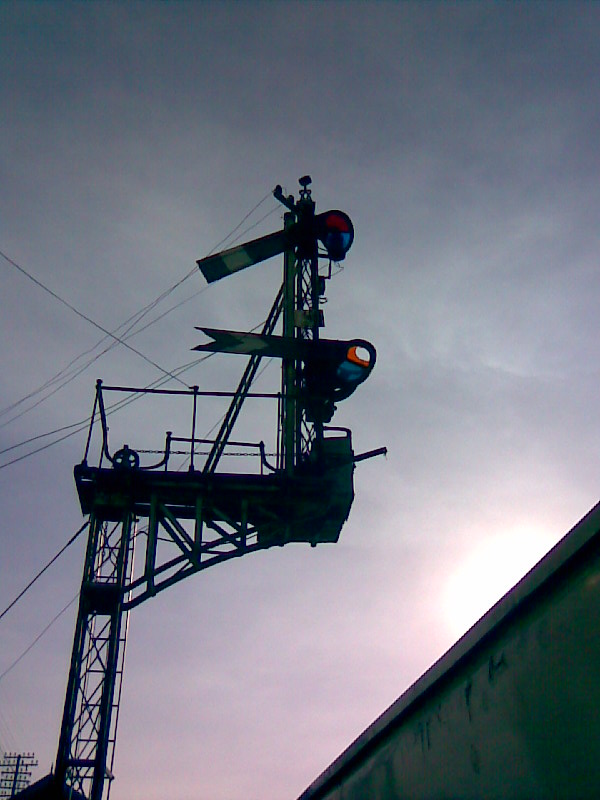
[{"x": 15, "y": 772}]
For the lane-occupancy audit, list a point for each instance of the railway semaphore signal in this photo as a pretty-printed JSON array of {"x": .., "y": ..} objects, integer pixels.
[{"x": 184, "y": 521}]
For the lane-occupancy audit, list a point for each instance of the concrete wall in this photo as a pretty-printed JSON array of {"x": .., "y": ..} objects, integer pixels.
[{"x": 511, "y": 711}]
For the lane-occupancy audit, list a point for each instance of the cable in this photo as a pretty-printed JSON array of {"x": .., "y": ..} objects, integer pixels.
[
  {"x": 135, "y": 319},
  {"x": 255, "y": 224},
  {"x": 117, "y": 340},
  {"x": 239, "y": 225},
  {"x": 64, "y": 369},
  {"x": 41, "y": 572},
  {"x": 6, "y": 735},
  {"x": 38, "y": 637},
  {"x": 85, "y": 317},
  {"x": 85, "y": 366},
  {"x": 57, "y": 616},
  {"x": 83, "y": 424}
]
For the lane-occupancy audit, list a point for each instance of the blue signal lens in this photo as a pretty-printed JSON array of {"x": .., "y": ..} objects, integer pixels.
[{"x": 350, "y": 373}]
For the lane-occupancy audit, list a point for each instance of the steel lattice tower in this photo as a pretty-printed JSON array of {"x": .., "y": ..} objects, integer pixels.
[{"x": 88, "y": 733}]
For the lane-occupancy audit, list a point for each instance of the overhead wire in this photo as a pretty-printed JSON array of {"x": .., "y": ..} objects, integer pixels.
[
  {"x": 134, "y": 320},
  {"x": 194, "y": 271},
  {"x": 57, "y": 616},
  {"x": 84, "y": 316},
  {"x": 64, "y": 370},
  {"x": 83, "y": 424},
  {"x": 38, "y": 637},
  {"x": 11, "y": 730},
  {"x": 70, "y": 603},
  {"x": 76, "y": 427},
  {"x": 44, "y": 569},
  {"x": 75, "y": 373},
  {"x": 24, "y": 591}
]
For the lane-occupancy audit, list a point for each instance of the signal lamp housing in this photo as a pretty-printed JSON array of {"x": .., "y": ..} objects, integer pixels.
[
  {"x": 333, "y": 373},
  {"x": 336, "y": 231}
]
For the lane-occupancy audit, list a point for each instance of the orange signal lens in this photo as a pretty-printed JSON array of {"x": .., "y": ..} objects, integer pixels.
[{"x": 353, "y": 356}]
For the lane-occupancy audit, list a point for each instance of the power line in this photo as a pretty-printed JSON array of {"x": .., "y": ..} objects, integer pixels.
[
  {"x": 41, "y": 572},
  {"x": 254, "y": 225},
  {"x": 131, "y": 398},
  {"x": 38, "y": 637},
  {"x": 65, "y": 369},
  {"x": 57, "y": 376},
  {"x": 83, "y": 424},
  {"x": 74, "y": 374},
  {"x": 135, "y": 319},
  {"x": 56, "y": 617},
  {"x": 85, "y": 317},
  {"x": 241, "y": 222},
  {"x": 6, "y": 735}
]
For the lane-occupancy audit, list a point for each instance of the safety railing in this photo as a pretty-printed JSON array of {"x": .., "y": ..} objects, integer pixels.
[{"x": 194, "y": 450}]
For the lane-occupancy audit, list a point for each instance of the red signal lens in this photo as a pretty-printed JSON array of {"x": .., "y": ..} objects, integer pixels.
[{"x": 338, "y": 222}]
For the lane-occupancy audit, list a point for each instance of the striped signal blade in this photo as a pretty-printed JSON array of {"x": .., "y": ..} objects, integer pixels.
[
  {"x": 225, "y": 263},
  {"x": 251, "y": 344},
  {"x": 270, "y": 345}
]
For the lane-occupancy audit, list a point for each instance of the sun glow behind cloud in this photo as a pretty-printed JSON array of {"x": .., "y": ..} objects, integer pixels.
[{"x": 487, "y": 572}]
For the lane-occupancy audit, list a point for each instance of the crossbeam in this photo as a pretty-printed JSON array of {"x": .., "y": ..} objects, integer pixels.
[{"x": 189, "y": 521}]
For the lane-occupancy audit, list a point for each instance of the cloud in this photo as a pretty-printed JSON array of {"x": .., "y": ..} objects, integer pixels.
[{"x": 462, "y": 142}]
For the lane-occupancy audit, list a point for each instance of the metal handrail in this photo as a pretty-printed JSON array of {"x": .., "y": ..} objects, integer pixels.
[{"x": 99, "y": 414}]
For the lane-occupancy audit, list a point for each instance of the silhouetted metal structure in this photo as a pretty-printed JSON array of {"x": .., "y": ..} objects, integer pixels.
[
  {"x": 15, "y": 772},
  {"x": 186, "y": 521}
]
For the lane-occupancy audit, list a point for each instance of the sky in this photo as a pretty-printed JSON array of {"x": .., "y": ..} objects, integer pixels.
[{"x": 462, "y": 140}]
